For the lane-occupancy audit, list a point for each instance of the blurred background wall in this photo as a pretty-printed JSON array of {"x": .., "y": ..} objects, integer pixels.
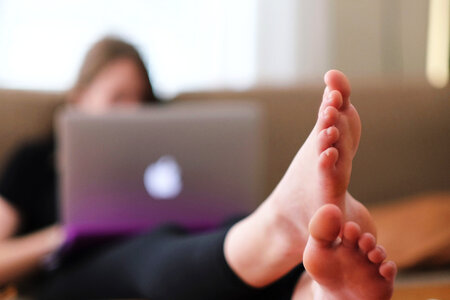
[
  {"x": 244, "y": 44},
  {"x": 300, "y": 40}
]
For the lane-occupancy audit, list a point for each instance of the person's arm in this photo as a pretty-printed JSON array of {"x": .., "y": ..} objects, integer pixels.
[
  {"x": 9, "y": 219},
  {"x": 21, "y": 255}
]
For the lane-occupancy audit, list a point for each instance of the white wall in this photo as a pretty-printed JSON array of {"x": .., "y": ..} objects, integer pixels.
[
  {"x": 214, "y": 44},
  {"x": 299, "y": 40},
  {"x": 381, "y": 38}
]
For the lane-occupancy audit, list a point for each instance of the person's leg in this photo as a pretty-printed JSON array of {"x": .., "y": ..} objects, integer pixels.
[
  {"x": 270, "y": 242},
  {"x": 347, "y": 268},
  {"x": 165, "y": 263}
]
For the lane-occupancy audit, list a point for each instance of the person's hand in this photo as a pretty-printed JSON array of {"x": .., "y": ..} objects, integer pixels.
[{"x": 54, "y": 236}]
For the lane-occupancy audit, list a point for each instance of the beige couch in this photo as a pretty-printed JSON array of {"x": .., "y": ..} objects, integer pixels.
[{"x": 404, "y": 149}]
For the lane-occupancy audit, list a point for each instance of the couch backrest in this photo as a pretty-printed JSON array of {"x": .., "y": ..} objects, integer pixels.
[
  {"x": 404, "y": 148},
  {"x": 24, "y": 115}
]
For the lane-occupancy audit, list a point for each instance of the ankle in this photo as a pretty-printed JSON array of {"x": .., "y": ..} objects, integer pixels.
[
  {"x": 261, "y": 248},
  {"x": 285, "y": 229}
]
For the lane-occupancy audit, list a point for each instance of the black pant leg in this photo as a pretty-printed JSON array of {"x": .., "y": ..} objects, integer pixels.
[{"x": 166, "y": 263}]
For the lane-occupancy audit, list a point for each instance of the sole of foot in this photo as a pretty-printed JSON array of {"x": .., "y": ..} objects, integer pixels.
[{"x": 345, "y": 263}]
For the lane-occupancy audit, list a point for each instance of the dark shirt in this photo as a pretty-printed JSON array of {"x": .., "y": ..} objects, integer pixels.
[{"x": 28, "y": 183}]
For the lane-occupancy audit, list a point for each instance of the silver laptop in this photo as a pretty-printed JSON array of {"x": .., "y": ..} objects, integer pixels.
[{"x": 194, "y": 164}]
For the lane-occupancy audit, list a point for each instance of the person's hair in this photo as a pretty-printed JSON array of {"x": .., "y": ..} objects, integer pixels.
[{"x": 101, "y": 54}]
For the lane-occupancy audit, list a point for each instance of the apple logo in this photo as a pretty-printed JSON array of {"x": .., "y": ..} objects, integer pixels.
[{"x": 162, "y": 179}]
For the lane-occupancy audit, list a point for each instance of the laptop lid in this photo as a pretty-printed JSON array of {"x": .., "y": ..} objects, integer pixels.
[{"x": 125, "y": 171}]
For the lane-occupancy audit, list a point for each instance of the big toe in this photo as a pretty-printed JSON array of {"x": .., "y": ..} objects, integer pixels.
[
  {"x": 325, "y": 225},
  {"x": 336, "y": 80}
]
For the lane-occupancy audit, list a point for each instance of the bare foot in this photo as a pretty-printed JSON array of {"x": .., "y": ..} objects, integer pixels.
[
  {"x": 350, "y": 268},
  {"x": 319, "y": 174}
]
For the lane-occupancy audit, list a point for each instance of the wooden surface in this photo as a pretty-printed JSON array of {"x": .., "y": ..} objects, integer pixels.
[
  {"x": 415, "y": 231},
  {"x": 422, "y": 292}
]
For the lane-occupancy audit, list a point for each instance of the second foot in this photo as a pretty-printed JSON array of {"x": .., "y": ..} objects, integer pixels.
[{"x": 347, "y": 268}]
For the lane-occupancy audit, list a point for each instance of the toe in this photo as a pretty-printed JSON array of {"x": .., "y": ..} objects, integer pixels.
[
  {"x": 334, "y": 99},
  {"x": 388, "y": 270},
  {"x": 325, "y": 225},
  {"x": 327, "y": 137},
  {"x": 377, "y": 255},
  {"x": 336, "y": 80},
  {"x": 328, "y": 117},
  {"x": 331, "y": 98},
  {"x": 351, "y": 234},
  {"x": 366, "y": 242},
  {"x": 328, "y": 159}
]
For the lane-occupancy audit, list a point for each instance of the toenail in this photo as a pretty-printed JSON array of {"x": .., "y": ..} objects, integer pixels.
[{"x": 329, "y": 131}]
